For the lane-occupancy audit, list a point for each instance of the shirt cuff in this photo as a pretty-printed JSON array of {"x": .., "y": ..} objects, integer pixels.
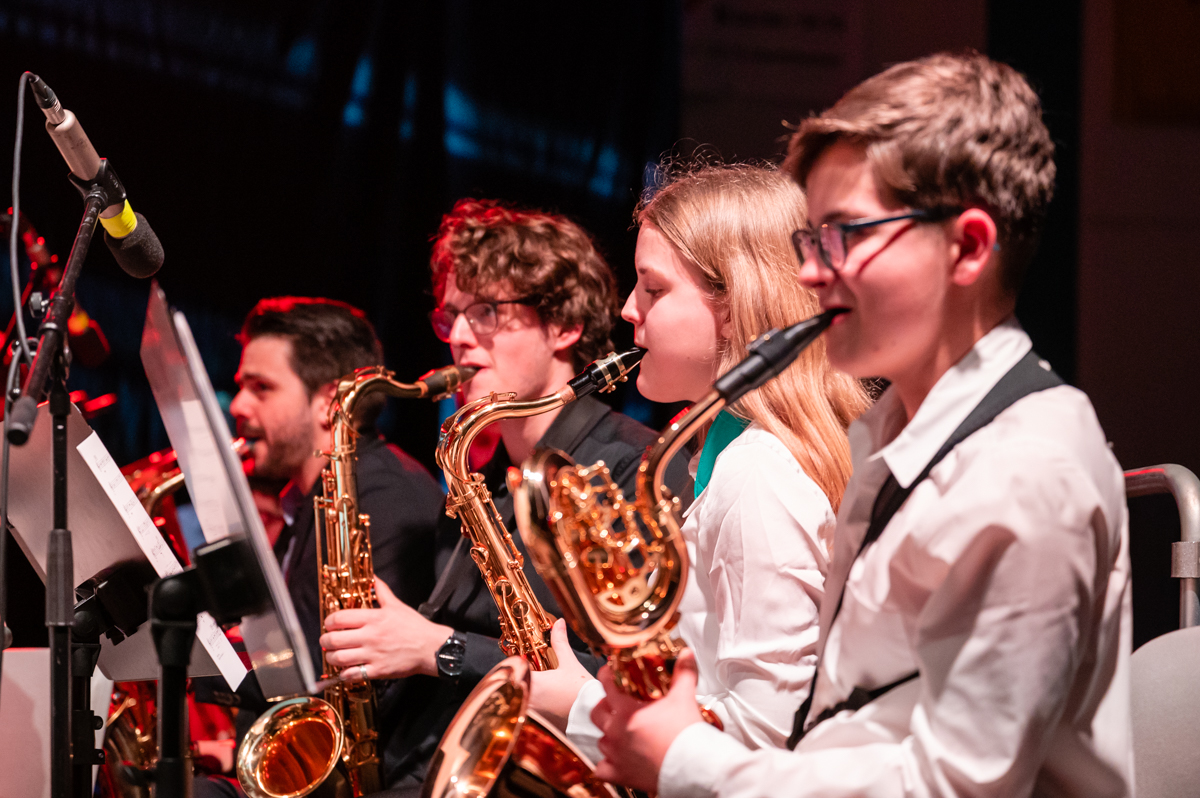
[
  {"x": 584, "y": 734},
  {"x": 696, "y": 762},
  {"x": 482, "y": 654}
]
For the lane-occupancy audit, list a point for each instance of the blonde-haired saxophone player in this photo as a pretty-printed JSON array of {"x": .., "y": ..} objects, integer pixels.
[
  {"x": 525, "y": 298},
  {"x": 715, "y": 268}
]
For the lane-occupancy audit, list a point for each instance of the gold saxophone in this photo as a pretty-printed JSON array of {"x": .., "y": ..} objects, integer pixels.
[
  {"x": 296, "y": 745},
  {"x": 524, "y": 624},
  {"x": 618, "y": 569},
  {"x": 496, "y": 744}
]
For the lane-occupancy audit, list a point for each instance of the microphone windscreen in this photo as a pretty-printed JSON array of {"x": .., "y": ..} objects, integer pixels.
[{"x": 140, "y": 253}]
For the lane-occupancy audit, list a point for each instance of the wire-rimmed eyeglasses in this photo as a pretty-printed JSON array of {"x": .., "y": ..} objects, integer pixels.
[
  {"x": 827, "y": 243},
  {"x": 481, "y": 316}
]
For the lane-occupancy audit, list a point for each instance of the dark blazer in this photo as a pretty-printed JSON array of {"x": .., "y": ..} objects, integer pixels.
[
  {"x": 422, "y": 707},
  {"x": 404, "y": 503}
]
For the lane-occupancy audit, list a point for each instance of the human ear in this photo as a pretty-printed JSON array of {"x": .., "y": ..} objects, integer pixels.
[
  {"x": 565, "y": 337},
  {"x": 726, "y": 330},
  {"x": 974, "y": 239},
  {"x": 321, "y": 400}
]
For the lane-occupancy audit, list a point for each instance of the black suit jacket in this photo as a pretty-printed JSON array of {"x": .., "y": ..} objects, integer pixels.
[
  {"x": 404, "y": 503},
  {"x": 422, "y": 707}
]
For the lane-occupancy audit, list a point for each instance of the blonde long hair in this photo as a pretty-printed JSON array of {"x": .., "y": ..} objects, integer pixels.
[{"x": 734, "y": 223}]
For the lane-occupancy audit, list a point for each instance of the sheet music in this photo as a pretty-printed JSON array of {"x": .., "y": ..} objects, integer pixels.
[
  {"x": 109, "y": 475},
  {"x": 206, "y": 478}
]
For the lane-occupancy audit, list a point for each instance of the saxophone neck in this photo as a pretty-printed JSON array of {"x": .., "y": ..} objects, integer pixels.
[
  {"x": 434, "y": 385},
  {"x": 768, "y": 356},
  {"x": 460, "y": 430},
  {"x": 684, "y": 427}
]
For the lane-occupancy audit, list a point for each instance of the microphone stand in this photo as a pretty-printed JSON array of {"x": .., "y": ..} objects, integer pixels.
[{"x": 50, "y": 366}]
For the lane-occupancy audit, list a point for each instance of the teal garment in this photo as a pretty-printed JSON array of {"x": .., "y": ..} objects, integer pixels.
[{"x": 725, "y": 427}]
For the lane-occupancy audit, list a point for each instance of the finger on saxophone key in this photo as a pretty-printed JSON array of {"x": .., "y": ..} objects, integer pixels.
[{"x": 355, "y": 673}]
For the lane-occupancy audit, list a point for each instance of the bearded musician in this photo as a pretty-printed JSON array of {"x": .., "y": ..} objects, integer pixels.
[{"x": 294, "y": 351}]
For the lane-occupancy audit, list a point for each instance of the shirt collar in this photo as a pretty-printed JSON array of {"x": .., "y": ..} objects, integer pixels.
[
  {"x": 290, "y": 502},
  {"x": 950, "y": 401}
]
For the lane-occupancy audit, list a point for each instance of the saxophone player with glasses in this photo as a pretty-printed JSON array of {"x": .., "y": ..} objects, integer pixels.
[
  {"x": 975, "y": 633},
  {"x": 524, "y": 298},
  {"x": 294, "y": 352}
]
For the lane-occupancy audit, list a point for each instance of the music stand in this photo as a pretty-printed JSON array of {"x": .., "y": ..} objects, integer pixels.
[
  {"x": 236, "y": 573},
  {"x": 107, "y": 533},
  {"x": 220, "y": 492}
]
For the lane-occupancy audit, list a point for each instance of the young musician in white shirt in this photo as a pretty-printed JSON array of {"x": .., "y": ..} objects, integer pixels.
[
  {"x": 985, "y": 634},
  {"x": 715, "y": 268}
]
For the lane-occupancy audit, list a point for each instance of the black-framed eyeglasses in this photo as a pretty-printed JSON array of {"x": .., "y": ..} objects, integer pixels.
[
  {"x": 481, "y": 316},
  {"x": 828, "y": 242}
]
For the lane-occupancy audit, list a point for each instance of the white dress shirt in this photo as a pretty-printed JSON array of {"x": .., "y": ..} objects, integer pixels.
[
  {"x": 1004, "y": 579},
  {"x": 758, "y": 538}
]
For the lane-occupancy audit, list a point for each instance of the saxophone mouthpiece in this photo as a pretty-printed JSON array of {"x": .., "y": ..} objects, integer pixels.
[
  {"x": 770, "y": 354},
  {"x": 604, "y": 374},
  {"x": 442, "y": 382}
]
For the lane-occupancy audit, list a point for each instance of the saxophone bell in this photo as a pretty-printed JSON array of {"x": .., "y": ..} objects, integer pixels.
[{"x": 497, "y": 746}]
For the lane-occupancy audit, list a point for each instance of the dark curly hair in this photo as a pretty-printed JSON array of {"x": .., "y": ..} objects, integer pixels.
[
  {"x": 330, "y": 339},
  {"x": 484, "y": 243}
]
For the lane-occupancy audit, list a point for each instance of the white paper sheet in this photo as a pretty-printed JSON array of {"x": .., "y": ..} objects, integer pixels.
[{"x": 109, "y": 475}]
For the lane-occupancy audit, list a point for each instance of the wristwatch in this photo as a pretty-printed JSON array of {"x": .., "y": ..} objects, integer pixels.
[{"x": 450, "y": 655}]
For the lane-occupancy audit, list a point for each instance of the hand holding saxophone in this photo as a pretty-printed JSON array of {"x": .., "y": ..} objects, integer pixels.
[
  {"x": 554, "y": 691},
  {"x": 391, "y": 642},
  {"x": 638, "y": 733}
]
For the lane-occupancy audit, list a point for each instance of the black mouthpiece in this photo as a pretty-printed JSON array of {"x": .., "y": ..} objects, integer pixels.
[
  {"x": 604, "y": 374},
  {"x": 445, "y": 381},
  {"x": 43, "y": 95},
  {"x": 770, "y": 354}
]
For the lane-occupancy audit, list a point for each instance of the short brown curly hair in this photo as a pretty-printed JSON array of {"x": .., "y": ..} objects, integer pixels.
[
  {"x": 949, "y": 130},
  {"x": 542, "y": 255}
]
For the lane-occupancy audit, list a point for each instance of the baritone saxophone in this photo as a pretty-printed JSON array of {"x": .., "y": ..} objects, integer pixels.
[{"x": 297, "y": 744}]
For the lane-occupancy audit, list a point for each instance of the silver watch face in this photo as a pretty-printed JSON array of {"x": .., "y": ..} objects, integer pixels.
[{"x": 450, "y": 656}]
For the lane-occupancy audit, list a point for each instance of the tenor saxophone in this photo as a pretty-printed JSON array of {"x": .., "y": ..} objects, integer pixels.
[
  {"x": 496, "y": 745},
  {"x": 618, "y": 568},
  {"x": 296, "y": 745},
  {"x": 524, "y": 624}
]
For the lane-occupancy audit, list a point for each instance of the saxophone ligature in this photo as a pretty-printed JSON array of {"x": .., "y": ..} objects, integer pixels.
[
  {"x": 300, "y": 742},
  {"x": 618, "y": 568}
]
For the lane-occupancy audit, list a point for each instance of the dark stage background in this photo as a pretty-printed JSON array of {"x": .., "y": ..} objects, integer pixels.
[{"x": 309, "y": 147}]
